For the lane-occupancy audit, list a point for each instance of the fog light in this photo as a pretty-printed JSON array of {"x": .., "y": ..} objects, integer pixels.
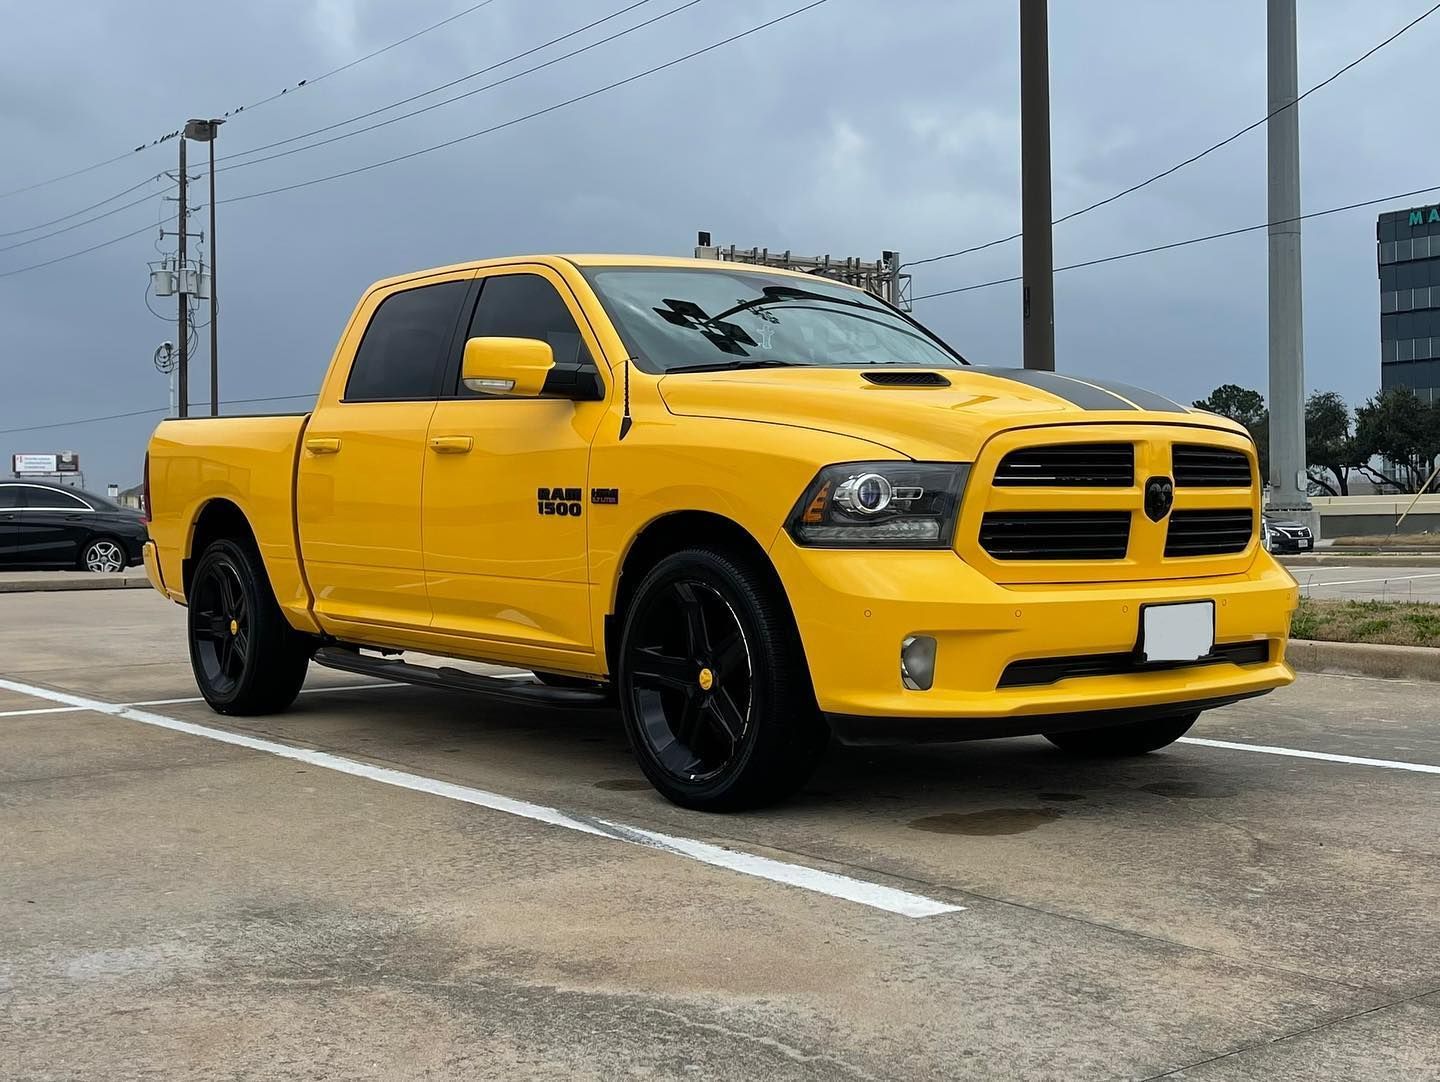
[{"x": 917, "y": 662}]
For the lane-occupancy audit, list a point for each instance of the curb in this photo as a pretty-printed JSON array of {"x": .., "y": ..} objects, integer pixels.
[
  {"x": 66, "y": 585},
  {"x": 1364, "y": 659},
  {"x": 1371, "y": 559}
]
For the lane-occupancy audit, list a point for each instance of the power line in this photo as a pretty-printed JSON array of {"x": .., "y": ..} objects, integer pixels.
[
  {"x": 82, "y": 210},
  {"x": 239, "y": 109},
  {"x": 470, "y": 93},
  {"x": 146, "y": 412},
  {"x": 1194, "y": 157},
  {"x": 434, "y": 89},
  {"x": 84, "y": 221},
  {"x": 451, "y": 142},
  {"x": 1186, "y": 243},
  {"x": 532, "y": 115}
]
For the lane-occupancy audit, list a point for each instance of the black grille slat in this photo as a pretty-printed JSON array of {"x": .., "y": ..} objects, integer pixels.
[
  {"x": 906, "y": 379},
  {"x": 1069, "y": 465},
  {"x": 1034, "y": 672},
  {"x": 1208, "y": 533},
  {"x": 1198, "y": 466},
  {"x": 1056, "y": 535}
]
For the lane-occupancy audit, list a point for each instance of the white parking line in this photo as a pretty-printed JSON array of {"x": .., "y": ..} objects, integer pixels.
[
  {"x": 836, "y": 886},
  {"x": 38, "y": 710},
  {"x": 1387, "y": 578},
  {"x": 188, "y": 699},
  {"x": 1324, "y": 756}
]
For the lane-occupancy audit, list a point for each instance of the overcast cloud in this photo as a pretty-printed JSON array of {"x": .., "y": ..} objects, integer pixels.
[{"x": 852, "y": 128}]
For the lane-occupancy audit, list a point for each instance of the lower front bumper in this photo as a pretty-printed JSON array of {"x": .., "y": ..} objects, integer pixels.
[
  {"x": 855, "y": 608},
  {"x": 858, "y": 730}
]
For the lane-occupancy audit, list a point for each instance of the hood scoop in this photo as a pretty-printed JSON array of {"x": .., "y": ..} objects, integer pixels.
[{"x": 906, "y": 379}]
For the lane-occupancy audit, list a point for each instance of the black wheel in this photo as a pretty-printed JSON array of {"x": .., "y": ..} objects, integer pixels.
[
  {"x": 713, "y": 685},
  {"x": 1132, "y": 738},
  {"x": 247, "y": 659},
  {"x": 104, "y": 554}
]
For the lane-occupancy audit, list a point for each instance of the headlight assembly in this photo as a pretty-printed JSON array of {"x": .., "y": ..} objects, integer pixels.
[{"x": 880, "y": 505}]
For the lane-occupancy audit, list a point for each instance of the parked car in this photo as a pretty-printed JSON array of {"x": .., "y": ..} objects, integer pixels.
[
  {"x": 755, "y": 508},
  {"x": 48, "y": 526},
  {"x": 1285, "y": 535}
]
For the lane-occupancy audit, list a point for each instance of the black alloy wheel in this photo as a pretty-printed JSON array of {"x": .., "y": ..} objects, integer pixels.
[
  {"x": 246, "y": 657},
  {"x": 713, "y": 685}
]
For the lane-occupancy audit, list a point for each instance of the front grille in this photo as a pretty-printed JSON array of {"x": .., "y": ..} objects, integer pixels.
[
  {"x": 1056, "y": 535},
  {"x": 1069, "y": 465},
  {"x": 1197, "y": 466},
  {"x": 1034, "y": 672},
  {"x": 1208, "y": 533}
]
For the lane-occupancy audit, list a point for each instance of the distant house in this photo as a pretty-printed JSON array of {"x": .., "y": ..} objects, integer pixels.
[{"x": 132, "y": 497}]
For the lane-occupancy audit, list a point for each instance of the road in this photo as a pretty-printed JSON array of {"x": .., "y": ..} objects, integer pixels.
[
  {"x": 1364, "y": 581},
  {"x": 394, "y": 882}
]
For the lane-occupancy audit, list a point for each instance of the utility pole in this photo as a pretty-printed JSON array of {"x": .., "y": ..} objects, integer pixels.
[
  {"x": 184, "y": 315},
  {"x": 1038, "y": 253},
  {"x": 205, "y": 131},
  {"x": 1287, "y": 347}
]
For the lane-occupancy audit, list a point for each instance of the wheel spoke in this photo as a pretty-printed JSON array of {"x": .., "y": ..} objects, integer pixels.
[
  {"x": 227, "y": 591},
  {"x": 687, "y": 725},
  {"x": 697, "y": 629},
  {"x": 732, "y": 659},
  {"x": 654, "y": 669},
  {"x": 724, "y": 715},
  {"x": 241, "y": 647}
]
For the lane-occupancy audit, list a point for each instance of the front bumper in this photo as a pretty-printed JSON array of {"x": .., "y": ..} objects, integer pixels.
[{"x": 854, "y": 608}]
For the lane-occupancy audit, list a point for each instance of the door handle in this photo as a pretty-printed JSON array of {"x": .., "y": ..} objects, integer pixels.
[
  {"x": 322, "y": 445},
  {"x": 451, "y": 445}
]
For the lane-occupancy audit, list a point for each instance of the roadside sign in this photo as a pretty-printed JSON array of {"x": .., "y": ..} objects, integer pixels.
[{"x": 59, "y": 462}]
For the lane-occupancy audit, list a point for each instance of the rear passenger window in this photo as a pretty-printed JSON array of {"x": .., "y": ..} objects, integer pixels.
[
  {"x": 9, "y": 497},
  {"x": 527, "y": 306},
  {"x": 405, "y": 347}
]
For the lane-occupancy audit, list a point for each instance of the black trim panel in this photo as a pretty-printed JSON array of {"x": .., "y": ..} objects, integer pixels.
[{"x": 1039, "y": 671}]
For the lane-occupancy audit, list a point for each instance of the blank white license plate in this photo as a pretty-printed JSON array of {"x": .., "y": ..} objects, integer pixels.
[{"x": 1184, "y": 632}]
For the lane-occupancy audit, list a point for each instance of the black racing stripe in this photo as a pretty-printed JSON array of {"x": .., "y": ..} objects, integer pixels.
[
  {"x": 1146, "y": 400},
  {"x": 1073, "y": 391}
]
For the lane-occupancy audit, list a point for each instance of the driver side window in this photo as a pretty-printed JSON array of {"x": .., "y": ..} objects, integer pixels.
[{"x": 527, "y": 306}]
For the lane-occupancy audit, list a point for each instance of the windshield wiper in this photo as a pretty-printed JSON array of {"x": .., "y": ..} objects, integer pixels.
[{"x": 731, "y": 366}]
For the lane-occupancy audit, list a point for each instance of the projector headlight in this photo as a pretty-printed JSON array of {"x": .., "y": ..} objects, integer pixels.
[{"x": 880, "y": 505}]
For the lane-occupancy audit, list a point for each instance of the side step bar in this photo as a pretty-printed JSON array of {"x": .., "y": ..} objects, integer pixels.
[{"x": 508, "y": 691}]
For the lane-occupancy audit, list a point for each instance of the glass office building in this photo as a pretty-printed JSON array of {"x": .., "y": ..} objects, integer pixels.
[{"x": 1409, "y": 259}]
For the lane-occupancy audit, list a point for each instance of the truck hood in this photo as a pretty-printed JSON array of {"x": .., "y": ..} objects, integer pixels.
[{"x": 940, "y": 423}]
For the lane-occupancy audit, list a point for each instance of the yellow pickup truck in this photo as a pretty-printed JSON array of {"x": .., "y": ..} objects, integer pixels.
[{"x": 757, "y": 510}]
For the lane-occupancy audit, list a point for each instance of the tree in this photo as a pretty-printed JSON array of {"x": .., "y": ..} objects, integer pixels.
[
  {"x": 1397, "y": 426},
  {"x": 1329, "y": 445},
  {"x": 1245, "y": 407}
]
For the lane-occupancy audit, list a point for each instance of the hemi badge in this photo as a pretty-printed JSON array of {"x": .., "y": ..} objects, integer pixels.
[{"x": 604, "y": 495}]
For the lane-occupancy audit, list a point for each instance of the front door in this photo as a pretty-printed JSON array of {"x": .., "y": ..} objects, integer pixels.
[
  {"x": 506, "y": 493},
  {"x": 363, "y": 454},
  {"x": 49, "y": 527},
  {"x": 9, "y": 522}
]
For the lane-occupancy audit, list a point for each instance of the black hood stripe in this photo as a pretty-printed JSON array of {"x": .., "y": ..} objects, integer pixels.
[{"x": 1088, "y": 394}]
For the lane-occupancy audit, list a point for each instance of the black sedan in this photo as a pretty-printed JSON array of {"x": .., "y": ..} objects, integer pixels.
[
  {"x": 50, "y": 526},
  {"x": 1283, "y": 535}
]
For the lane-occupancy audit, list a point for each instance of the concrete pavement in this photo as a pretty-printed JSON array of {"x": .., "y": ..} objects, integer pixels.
[
  {"x": 182, "y": 906},
  {"x": 1371, "y": 581}
]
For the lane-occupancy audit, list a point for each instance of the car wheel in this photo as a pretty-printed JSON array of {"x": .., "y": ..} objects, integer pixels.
[
  {"x": 103, "y": 554},
  {"x": 713, "y": 687},
  {"x": 247, "y": 659},
  {"x": 1132, "y": 738}
]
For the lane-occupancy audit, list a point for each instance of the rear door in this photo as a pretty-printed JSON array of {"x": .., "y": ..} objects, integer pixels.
[
  {"x": 362, "y": 455},
  {"x": 506, "y": 479},
  {"x": 9, "y": 522}
]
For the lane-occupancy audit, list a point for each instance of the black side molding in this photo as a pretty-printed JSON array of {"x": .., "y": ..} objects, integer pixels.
[{"x": 348, "y": 659}]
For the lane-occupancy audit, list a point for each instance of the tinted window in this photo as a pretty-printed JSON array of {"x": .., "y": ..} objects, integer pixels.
[
  {"x": 35, "y": 498},
  {"x": 9, "y": 497},
  {"x": 527, "y": 306},
  {"x": 403, "y": 352}
]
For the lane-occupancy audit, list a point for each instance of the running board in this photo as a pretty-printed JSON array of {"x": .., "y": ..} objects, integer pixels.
[{"x": 508, "y": 691}]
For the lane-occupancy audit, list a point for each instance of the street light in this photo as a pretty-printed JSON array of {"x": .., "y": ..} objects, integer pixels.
[{"x": 204, "y": 131}]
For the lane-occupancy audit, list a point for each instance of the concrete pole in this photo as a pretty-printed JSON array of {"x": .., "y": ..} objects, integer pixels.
[
  {"x": 1287, "y": 345},
  {"x": 1037, "y": 252},
  {"x": 182, "y": 319}
]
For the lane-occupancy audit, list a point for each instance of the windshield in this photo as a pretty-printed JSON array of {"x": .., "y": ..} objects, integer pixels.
[{"x": 674, "y": 319}]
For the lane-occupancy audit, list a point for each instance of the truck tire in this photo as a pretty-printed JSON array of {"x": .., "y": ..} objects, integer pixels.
[
  {"x": 1133, "y": 738},
  {"x": 247, "y": 659},
  {"x": 714, "y": 689}
]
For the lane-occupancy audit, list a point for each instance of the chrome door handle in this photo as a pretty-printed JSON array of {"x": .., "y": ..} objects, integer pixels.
[
  {"x": 322, "y": 445},
  {"x": 451, "y": 445}
]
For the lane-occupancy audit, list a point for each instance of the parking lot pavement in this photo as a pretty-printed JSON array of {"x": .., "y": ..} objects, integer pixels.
[
  {"x": 1365, "y": 582},
  {"x": 394, "y": 882}
]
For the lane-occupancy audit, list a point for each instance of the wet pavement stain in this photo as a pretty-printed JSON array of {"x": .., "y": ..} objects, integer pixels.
[
  {"x": 624, "y": 785},
  {"x": 989, "y": 822},
  {"x": 1059, "y": 798},
  {"x": 1186, "y": 790}
]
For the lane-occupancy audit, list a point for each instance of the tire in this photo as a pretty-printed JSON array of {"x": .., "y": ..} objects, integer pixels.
[
  {"x": 1132, "y": 738},
  {"x": 713, "y": 686},
  {"x": 104, "y": 554},
  {"x": 247, "y": 659}
]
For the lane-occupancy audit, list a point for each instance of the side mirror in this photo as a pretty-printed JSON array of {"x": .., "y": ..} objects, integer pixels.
[{"x": 513, "y": 366}]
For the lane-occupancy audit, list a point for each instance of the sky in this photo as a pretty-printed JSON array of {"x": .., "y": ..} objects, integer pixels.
[{"x": 849, "y": 129}]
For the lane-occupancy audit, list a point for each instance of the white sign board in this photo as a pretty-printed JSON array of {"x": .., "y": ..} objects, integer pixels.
[{"x": 34, "y": 463}]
